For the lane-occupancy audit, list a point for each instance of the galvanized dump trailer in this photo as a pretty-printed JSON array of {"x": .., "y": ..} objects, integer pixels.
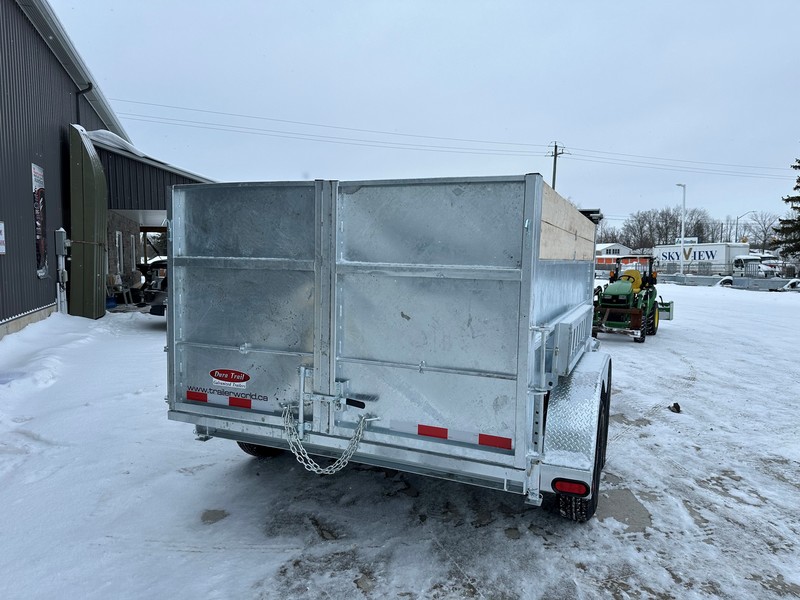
[{"x": 439, "y": 326}]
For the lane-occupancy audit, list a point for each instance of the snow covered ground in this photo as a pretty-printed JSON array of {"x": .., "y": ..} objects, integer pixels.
[{"x": 103, "y": 497}]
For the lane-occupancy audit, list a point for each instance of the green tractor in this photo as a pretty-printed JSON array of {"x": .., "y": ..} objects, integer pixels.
[{"x": 629, "y": 303}]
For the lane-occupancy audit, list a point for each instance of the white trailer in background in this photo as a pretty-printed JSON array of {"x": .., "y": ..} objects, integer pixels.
[
  {"x": 440, "y": 327},
  {"x": 699, "y": 259}
]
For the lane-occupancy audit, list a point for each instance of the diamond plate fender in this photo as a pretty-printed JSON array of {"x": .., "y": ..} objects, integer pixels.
[{"x": 571, "y": 427}]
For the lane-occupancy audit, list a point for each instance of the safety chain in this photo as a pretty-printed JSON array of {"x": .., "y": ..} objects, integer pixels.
[{"x": 296, "y": 445}]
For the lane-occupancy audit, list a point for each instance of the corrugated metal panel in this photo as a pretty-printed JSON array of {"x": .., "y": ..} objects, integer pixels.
[
  {"x": 53, "y": 34},
  {"x": 36, "y": 105},
  {"x": 137, "y": 185}
]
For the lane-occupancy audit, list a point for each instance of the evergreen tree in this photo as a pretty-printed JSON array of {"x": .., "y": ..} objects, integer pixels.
[{"x": 788, "y": 230}]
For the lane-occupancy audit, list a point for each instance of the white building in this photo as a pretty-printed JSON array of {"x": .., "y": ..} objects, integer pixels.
[{"x": 611, "y": 251}]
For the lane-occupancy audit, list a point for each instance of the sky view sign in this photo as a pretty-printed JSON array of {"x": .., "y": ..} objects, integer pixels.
[
  {"x": 39, "y": 220},
  {"x": 689, "y": 254}
]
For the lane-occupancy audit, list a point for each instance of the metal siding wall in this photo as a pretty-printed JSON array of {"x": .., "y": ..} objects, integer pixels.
[
  {"x": 134, "y": 185},
  {"x": 37, "y": 102},
  {"x": 89, "y": 119}
]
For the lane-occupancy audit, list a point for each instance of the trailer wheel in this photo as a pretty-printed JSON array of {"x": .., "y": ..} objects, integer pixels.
[
  {"x": 582, "y": 509},
  {"x": 606, "y": 400},
  {"x": 259, "y": 451}
]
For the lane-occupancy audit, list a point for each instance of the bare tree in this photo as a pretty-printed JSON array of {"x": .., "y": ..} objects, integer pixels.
[
  {"x": 729, "y": 229},
  {"x": 697, "y": 224},
  {"x": 644, "y": 229},
  {"x": 607, "y": 234},
  {"x": 667, "y": 225},
  {"x": 647, "y": 228},
  {"x": 638, "y": 230},
  {"x": 714, "y": 231},
  {"x": 760, "y": 229}
]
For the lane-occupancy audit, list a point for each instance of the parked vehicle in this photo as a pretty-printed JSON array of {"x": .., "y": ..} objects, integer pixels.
[
  {"x": 750, "y": 265},
  {"x": 793, "y": 285},
  {"x": 774, "y": 266},
  {"x": 434, "y": 326},
  {"x": 629, "y": 303},
  {"x": 155, "y": 287}
]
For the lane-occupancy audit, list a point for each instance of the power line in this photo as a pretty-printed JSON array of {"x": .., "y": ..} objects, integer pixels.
[
  {"x": 308, "y": 124},
  {"x": 319, "y": 138},
  {"x": 686, "y": 165},
  {"x": 676, "y": 168},
  {"x": 698, "y": 162}
]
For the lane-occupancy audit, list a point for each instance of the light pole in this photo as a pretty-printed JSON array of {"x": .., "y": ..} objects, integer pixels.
[
  {"x": 736, "y": 239},
  {"x": 683, "y": 220}
]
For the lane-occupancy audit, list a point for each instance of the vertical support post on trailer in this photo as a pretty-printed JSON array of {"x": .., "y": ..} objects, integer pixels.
[
  {"x": 539, "y": 385},
  {"x": 324, "y": 288},
  {"x": 531, "y": 232},
  {"x": 542, "y": 384}
]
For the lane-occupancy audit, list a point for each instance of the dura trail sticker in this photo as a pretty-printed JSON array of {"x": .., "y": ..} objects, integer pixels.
[{"x": 229, "y": 378}]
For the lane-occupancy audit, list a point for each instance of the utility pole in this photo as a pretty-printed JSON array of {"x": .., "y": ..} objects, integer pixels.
[{"x": 555, "y": 154}]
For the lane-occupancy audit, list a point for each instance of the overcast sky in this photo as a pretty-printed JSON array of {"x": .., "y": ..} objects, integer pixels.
[{"x": 642, "y": 95}]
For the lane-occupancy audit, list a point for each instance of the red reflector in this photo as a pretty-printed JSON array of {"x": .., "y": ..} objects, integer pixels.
[
  {"x": 571, "y": 487},
  {"x": 197, "y": 396},
  {"x": 437, "y": 432},
  {"x": 494, "y": 441},
  {"x": 239, "y": 402}
]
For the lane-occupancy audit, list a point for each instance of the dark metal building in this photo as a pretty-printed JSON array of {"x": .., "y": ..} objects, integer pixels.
[{"x": 44, "y": 88}]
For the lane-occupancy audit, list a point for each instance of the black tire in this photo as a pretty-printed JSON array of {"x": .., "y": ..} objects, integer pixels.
[
  {"x": 606, "y": 398},
  {"x": 581, "y": 510},
  {"x": 642, "y": 334},
  {"x": 652, "y": 320},
  {"x": 259, "y": 451}
]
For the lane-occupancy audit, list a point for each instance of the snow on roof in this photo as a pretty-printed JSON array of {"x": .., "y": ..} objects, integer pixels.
[
  {"x": 111, "y": 141},
  {"x": 109, "y": 138},
  {"x": 603, "y": 246}
]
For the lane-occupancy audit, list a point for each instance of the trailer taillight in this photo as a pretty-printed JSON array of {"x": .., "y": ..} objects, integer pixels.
[{"x": 568, "y": 486}]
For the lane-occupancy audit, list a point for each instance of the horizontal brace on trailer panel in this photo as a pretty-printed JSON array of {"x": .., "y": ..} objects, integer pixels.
[
  {"x": 238, "y": 262},
  {"x": 243, "y": 349},
  {"x": 480, "y": 461},
  {"x": 426, "y": 368},
  {"x": 189, "y": 413},
  {"x": 434, "y": 271},
  {"x": 392, "y": 443},
  {"x": 370, "y": 451},
  {"x": 350, "y": 187}
]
